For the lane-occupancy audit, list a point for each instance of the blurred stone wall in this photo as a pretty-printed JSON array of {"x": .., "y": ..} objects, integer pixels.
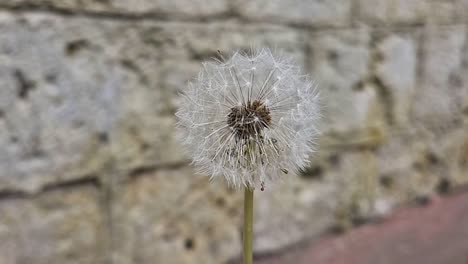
[{"x": 89, "y": 168}]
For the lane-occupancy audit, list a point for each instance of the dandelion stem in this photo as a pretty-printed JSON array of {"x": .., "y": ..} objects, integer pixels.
[{"x": 248, "y": 224}]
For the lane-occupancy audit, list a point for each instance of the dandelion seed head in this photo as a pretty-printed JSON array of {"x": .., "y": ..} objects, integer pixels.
[{"x": 251, "y": 118}]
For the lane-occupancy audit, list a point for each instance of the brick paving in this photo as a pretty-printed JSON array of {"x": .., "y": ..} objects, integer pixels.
[{"x": 436, "y": 233}]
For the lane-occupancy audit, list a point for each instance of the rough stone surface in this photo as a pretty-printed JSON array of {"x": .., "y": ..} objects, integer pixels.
[
  {"x": 71, "y": 97},
  {"x": 163, "y": 8},
  {"x": 185, "y": 46},
  {"x": 374, "y": 11},
  {"x": 313, "y": 12},
  {"x": 443, "y": 12},
  {"x": 50, "y": 125},
  {"x": 396, "y": 70},
  {"x": 59, "y": 226},
  {"x": 420, "y": 169},
  {"x": 406, "y": 11},
  {"x": 441, "y": 86},
  {"x": 90, "y": 168},
  {"x": 283, "y": 212},
  {"x": 462, "y": 9},
  {"x": 340, "y": 63},
  {"x": 178, "y": 217}
]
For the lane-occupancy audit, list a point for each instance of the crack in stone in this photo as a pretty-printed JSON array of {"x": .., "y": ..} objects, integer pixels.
[
  {"x": 8, "y": 194},
  {"x": 125, "y": 16}
]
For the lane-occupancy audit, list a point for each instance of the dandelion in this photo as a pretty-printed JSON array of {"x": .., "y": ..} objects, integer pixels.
[{"x": 251, "y": 119}]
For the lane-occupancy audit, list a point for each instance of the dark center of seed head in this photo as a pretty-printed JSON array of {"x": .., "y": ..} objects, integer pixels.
[{"x": 249, "y": 119}]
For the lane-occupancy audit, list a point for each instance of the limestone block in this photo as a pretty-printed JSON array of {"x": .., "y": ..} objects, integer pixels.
[
  {"x": 58, "y": 226},
  {"x": 374, "y": 11},
  {"x": 55, "y": 98},
  {"x": 202, "y": 41},
  {"x": 443, "y": 155},
  {"x": 408, "y": 11},
  {"x": 462, "y": 10},
  {"x": 396, "y": 69},
  {"x": 442, "y": 12},
  {"x": 174, "y": 216},
  {"x": 439, "y": 98},
  {"x": 403, "y": 167},
  {"x": 353, "y": 177},
  {"x": 312, "y": 12},
  {"x": 416, "y": 164},
  {"x": 296, "y": 209},
  {"x": 340, "y": 62},
  {"x": 193, "y": 44},
  {"x": 76, "y": 93},
  {"x": 181, "y": 8},
  {"x": 393, "y": 11},
  {"x": 463, "y": 158},
  {"x": 178, "y": 8}
]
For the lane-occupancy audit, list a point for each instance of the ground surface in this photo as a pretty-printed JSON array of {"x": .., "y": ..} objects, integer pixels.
[{"x": 436, "y": 233}]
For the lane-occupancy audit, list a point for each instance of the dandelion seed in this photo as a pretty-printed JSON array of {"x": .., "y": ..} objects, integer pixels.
[{"x": 251, "y": 118}]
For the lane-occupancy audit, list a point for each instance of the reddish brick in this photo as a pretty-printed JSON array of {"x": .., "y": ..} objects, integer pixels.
[{"x": 433, "y": 234}]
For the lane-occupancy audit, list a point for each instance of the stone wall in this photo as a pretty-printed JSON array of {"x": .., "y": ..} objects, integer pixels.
[{"x": 90, "y": 170}]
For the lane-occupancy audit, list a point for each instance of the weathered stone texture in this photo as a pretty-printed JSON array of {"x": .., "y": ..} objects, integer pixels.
[
  {"x": 312, "y": 12},
  {"x": 178, "y": 217},
  {"x": 45, "y": 119},
  {"x": 185, "y": 45},
  {"x": 340, "y": 63},
  {"x": 59, "y": 226},
  {"x": 73, "y": 91},
  {"x": 443, "y": 12},
  {"x": 411, "y": 12},
  {"x": 462, "y": 10},
  {"x": 395, "y": 69},
  {"x": 408, "y": 11},
  {"x": 442, "y": 85},
  {"x": 374, "y": 11},
  {"x": 164, "y": 8},
  {"x": 283, "y": 212}
]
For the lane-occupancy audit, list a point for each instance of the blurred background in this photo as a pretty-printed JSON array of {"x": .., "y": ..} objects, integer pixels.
[{"x": 90, "y": 171}]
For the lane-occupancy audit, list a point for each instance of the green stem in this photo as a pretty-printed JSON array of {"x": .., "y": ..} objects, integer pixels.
[{"x": 248, "y": 224}]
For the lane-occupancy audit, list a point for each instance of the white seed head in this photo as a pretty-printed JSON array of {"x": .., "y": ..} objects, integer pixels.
[{"x": 250, "y": 118}]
